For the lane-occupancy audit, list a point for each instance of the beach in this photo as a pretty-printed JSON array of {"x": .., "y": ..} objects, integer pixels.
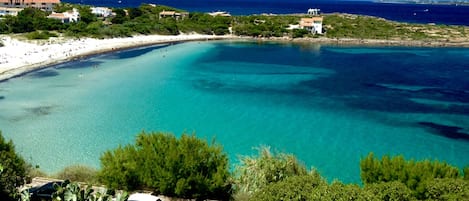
[{"x": 20, "y": 56}]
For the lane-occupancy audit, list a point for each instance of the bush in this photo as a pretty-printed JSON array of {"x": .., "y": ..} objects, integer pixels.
[
  {"x": 255, "y": 173},
  {"x": 446, "y": 189},
  {"x": 40, "y": 35},
  {"x": 389, "y": 191},
  {"x": 187, "y": 167},
  {"x": 291, "y": 188},
  {"x": 410, "y": 173},
  {"x": 338, "y": 192},
  {"x": 79, "y": 173},
  {"x": 299, "y": 33},
  {"x": 14, "y": 171}
]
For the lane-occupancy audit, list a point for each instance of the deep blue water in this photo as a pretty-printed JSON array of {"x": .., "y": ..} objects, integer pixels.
[{"x": 413, "y": 13}]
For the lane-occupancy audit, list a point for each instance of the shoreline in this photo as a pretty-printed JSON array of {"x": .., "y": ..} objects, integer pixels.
[
  {"x": 370, "y": 42},
  {"x": 19, "y": 57}
]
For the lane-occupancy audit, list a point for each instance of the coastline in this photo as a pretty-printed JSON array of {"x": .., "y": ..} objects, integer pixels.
[
  {"x": 370, "y": 42},
  {"x": 19, "y": 57}
]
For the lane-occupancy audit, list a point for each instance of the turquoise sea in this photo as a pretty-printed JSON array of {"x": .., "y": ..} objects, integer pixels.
[{"x": 329, "y": 105}]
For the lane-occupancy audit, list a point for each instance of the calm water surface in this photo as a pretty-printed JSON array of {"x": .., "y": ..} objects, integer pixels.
[{"x": 328, "y": 105}]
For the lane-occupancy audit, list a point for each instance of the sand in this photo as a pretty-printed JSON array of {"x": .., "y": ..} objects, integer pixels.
[{"x": 18, "y": 57}]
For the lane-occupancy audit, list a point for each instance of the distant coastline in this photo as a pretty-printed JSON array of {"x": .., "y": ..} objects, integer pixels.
[{"x": 370, "y": 42}]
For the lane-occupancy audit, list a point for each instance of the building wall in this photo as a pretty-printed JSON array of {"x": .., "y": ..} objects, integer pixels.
[
  {"x": 46, "y": 5},
  {"x": 317, "y": 27}
]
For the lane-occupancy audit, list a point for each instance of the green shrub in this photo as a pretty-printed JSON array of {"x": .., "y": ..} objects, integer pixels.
[
  {"x": 78, "y": 173},
  {"x": 14, "y": 171},
  {"x": 294, "y": 188},
  {"x": 446, "y": 189},
  {"x": 187, "y": 167},
  {"x": 338, "y": 192},
  {"x": 299, "y": 33},
  {"x": 256, "y": 172},
  {"x": 40, "y": 35},
  {"x": 410, "y": 173},
  {"x": 389, "y": 191}
]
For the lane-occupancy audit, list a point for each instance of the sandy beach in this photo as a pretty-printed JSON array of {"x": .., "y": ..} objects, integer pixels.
[{"x": 18, "y": 56}]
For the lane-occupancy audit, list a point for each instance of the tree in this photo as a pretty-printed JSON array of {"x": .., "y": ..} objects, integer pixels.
[
  {"x": 14, "y": 171},
  {"x": 120, "y": 16},
  {"x": 134, "y": 13},
  {"x": 85, "y": 14},
  {"x": 186, "y": 167}
]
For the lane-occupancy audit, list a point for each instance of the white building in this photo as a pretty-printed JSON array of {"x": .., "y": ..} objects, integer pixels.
[
  {"x": 66, "y": 17},
  {"x": 220, "y": 13},
  {"x": 47, "y": 5},
  {"x": 9, "y": 11},
  {"x": 314, "y": 24},
  {"x": 101, "y": 11},
  {"x": 173, "y": 14},
  {"x": 314, "y": 11}
]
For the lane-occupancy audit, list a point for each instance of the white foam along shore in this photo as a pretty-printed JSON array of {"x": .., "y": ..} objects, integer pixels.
[{"x": 18, "y": 57}]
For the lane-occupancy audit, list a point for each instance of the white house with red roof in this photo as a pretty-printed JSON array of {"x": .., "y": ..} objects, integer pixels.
[{"x": 66, "y": 17}]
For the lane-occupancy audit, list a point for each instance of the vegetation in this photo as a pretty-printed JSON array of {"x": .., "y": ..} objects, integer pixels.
[
  {"x": 14, "y": 170},
  {"x": 366, "y": 27},
  {"x": 40, "y": 35},
  {"x": 73, "y": 191},
  {"x": 430, "y": 181},
  {"x": 145, "y": 19},
  {"x": 410, "y": 173},
  {"x": 79, "y": 173},
  {"x": 187, "y": 167},
  {"x": 256, "y": 172},
  {"x": 263, "y": 26},
  {"x": 142, "y": 20}
]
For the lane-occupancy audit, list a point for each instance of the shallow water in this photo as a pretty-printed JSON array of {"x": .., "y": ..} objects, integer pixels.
[{"x": 328, "y": 105}]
